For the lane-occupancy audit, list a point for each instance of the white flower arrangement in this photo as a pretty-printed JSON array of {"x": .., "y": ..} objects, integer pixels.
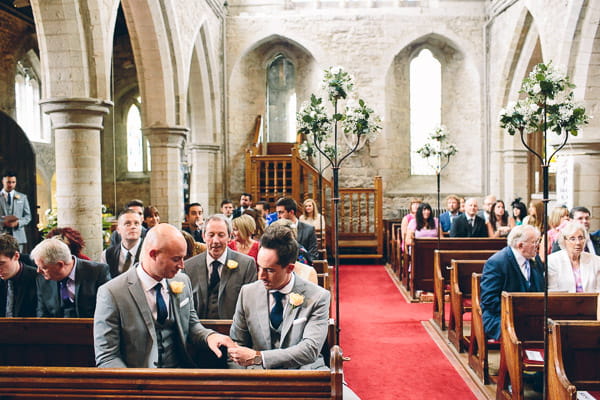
[{"x": 438, "y": 147}]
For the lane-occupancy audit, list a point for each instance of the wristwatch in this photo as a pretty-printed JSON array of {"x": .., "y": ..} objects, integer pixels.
[{"x": 257, "y": 359}]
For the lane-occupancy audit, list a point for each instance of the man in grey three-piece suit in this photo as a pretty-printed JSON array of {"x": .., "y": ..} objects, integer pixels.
[
  {"x": 280, "y": 321},
  {"x": 14, "y": 209},
  {"x": 67, "y": 285},
  {"x": 215, "y": 292},
  {"x": 145, "y": 317}
]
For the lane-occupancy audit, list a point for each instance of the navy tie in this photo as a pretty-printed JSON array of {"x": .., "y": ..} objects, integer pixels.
[
  {"x": 214, "y": 275},
  {"x": 277, "y": 310},
  {"x": 8, "y": 199},
  {"x": 161, "y": 306}
]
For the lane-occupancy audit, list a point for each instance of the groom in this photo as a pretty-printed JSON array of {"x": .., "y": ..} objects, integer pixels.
[{"x": 280, "y": 321}]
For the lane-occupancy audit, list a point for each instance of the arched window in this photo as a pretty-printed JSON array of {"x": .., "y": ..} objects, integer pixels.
[
  {"x": 425, "y": 106},
  {"x": 138, "y": 154},
  {"x": 281, "y": 100},
  {"x": 27, "y": 102}
]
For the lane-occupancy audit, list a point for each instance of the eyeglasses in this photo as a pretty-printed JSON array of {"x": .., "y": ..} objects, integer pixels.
[{"x": 577, "y": 239}]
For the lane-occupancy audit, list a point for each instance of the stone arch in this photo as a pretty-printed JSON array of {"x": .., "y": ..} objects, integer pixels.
[
  {"x": 509, "y": 159},
  {"x": 463, "y": 118},
  {"x": 248, "y": 82}
]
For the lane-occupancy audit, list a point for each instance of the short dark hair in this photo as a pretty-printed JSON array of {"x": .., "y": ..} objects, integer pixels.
[
  {"x": 289, "y": 204},
  {"x": 150, "y": 211},
  {"x": 265, "y": 204},
  {"x": 580, "y": 209},
  {"x": 9, "y": 173},
  {"x": 226, "y": 201},
  {"x": 281, "y": 239},
  {"x": 134, "y": 203},
  {"x": 246, "y": 194},
  {"x": 8, "y": 244},
  {"x": 190, "y": 205}
]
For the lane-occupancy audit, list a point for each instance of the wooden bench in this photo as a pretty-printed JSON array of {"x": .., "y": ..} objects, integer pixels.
[
  {"x": 441, "y": 277},
  {"x": 420, "y": 268},
  {"x": 461, "y": 276},
  {"x": 573, "y": 357},
  {"x": 53, "y": 357},
  {"x": 522, "y": 326},
  {"x": 479, "y": 346}
]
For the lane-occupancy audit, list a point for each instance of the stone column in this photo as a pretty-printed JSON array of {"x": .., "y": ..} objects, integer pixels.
[
  {"x": 203, "y": 183},
  {"x": 166, "y": 144},
  {"x": 513, "y": 173},
  {"x": 77, "y": 123}
]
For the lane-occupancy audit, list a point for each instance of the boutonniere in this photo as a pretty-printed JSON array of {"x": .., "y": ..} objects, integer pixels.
[
  {"x": 296, "y": 300},
  {"x": 232, "y": 264},
  {"x": 17, "y": 197},
  {"x": 176, "y": 287}
]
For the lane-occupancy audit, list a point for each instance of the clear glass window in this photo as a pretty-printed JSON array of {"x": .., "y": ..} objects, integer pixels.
[{"x": 281, "y": 100}]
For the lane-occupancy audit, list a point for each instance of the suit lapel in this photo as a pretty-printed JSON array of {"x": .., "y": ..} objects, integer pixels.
[
  {"x": 137, "y": 292},
  {"x": 203, "y": 281},
  {"x": 517, "y": 269},
  {"x": 225, "y": 275},
  {"x": 290, "y": 313},
  {"x": 263, "y": 319}
]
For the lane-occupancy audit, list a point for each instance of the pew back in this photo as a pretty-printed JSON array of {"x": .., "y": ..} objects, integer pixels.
[
  {"x": 573, "y": 354},
  {"x": 420, "y": 271}
]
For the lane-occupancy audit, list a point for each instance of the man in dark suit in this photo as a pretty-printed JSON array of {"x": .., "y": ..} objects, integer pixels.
[
  {"x": 516, "y": 268},
  {"x": 145, "y": 317},
  {"x": 137, "y": 206},
  {"x": 18, "y": 295},
  {"x": 14, "y": 209},
  {"x": 218, "y": 274},
  {"x": 288, "y": 208},
  {"x": 245, "y": 203},
  {"x": 121, "y": 257},
  {"x": 194, "y": 221},
  {"x": 67, "y": 285},
  {"x": 469, "y": 224}
]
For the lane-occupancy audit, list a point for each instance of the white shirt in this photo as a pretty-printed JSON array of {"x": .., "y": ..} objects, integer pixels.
[
  {"x": 521, "y": 261},
  {"x": 148, "y": 284},
  {"x": 222, "y": 260},
  {"x": 123, "y": 254}
]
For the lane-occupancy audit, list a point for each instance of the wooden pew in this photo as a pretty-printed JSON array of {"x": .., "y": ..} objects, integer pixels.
[
  {"x": 461, "y": 276},
  {"x": 522, "y": 326},
  {"x": 479, "y": 346},
  {"x": 441, "y": 277},
  {"x": 573, "y": 357},
  {"x": 43, "y": 343},
  {"x": 420, "y": 268}
]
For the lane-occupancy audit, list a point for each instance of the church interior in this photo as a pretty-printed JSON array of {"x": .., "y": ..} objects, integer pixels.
[{"x": 173, "y": 102}]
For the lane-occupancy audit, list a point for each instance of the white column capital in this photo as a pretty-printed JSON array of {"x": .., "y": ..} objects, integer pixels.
[{"x": 76, "y": 113}]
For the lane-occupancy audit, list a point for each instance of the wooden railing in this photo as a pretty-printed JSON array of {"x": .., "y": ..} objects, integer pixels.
[{"x": 272, "y": 176}]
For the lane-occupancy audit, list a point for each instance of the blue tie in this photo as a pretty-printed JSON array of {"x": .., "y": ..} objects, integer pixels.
[
  {"x": 527, "y": 272},
  {"x": 277, "y": 310},
  {"x": 8, "y": 199},
  {"x": 161, "y": 306}
]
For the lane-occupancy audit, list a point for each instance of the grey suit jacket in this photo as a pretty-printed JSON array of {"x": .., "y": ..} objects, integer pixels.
[
  {"x": 124, "y": 330},
  {"x": 308, "y": 239},
  {"x": 20, "y": 209},
  {"x": 231, "y": 282},
  {"x": 303, "y": 330},
  {"x": 89, "y": 276}
]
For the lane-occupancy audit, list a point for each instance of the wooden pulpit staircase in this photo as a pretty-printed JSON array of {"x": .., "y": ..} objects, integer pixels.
[{"x": 275, "y": 170}]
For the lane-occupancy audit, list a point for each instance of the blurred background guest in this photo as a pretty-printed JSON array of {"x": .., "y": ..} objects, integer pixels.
[
  {"x": 500, "y": 223},
  {"x": 423, "y": 225},
  {"x": 151, "y": 217},
  {"x": 519, "y": 211},
  {"x": 311, "y": 215},
  {"x": 535, "y": 215},
  {"x": 571, "y": 269},
  {"x": 259, "y": 222},
  {"x": 559, "y": 216},
  {"x": 193, "y": 248},
  {"x": 72, "y": 238},
  {"x": 243, "y": 228},
  {"x": 412, "y": 207}
]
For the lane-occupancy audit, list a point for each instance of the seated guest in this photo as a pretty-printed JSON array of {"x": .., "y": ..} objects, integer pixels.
[
  {"x": 461, "y": 208},
  {"x": 193, "y": 248},
  {"x": 452, "y": 206},
  {"x": 287, "y": 208},
  {"x": 488, "y": 201},
  {"x": 145, "y": 317},
  {"x": 72, "y": 238},
  {"x": 311, "y": 215},
  {"x": 194, "y": 221},
  {"x": 559, "y": 216},
  {"x": 218, "y": 274},
  {"x": 18, "y": 294},
  {"x": 469, "y": 224},
  {"x": 423, "y": 225},
  {"x": 303, "y": 266},
  {"x": 280, "y": 321},
  {"x": 120, "y": 258},
  {"x": 227, "y": 209},
  {"x": 151, "y": 217},
  {"x": 259, "y": 222},
  {"x": 535, "y": 215},
  {"x": 571, "y": 269},
  {"x": 500, "y": 223},
  {"x": 245, "y": 203},
  {"x": 137, "y": 206},
  {"x": 516, "y": 268},
  {"x": 242, "y": 228},
  {"x": 412, "y": 207},
  {"x": 263, "y": 208},
  {"x": 67, "y": 285},
  {"x": 583, "y": 216},
  {"x": 519, "y": 211}
]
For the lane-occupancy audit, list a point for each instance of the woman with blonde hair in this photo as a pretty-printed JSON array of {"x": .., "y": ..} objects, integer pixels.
[
  {"x": 311, "y": 215},
  {"x": 243, "y": 228},
  {"x": 557, "y": 219},
  {"x": 535, "y": 215}
]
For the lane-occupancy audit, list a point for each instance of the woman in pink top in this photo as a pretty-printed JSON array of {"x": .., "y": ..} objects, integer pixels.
[
  {"x": 423, "y": 225},
  {"x": 414, "y": 205}
]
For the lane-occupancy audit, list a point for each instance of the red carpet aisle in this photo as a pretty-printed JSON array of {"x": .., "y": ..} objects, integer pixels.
[{"x": 393, "y": 356}]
